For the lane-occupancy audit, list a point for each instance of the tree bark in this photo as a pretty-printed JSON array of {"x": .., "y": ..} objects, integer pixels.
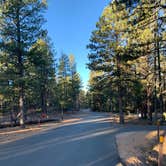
[
  {"x": 155, "y": 90},
  {"x": 149, "y": 104},
  {"x": 160, "y": 78},
  {"x": 43, "y": 101},
  {"x": 21, "y": 108},
  {"x": 121, "y": 113},
  {"x": 21, "y": 69}
]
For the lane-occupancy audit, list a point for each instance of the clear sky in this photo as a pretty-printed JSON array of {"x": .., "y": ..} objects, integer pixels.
[{"x": 69, "y": 24}]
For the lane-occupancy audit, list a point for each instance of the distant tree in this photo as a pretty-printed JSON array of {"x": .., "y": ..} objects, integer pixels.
[
  {"x": 63, "y": 81},
  {"x": 42, "y": 71},
  {"x": 84, "y": 99},
  {"x": 69, "y": 83},
  {"x": 75, "y": 83}
]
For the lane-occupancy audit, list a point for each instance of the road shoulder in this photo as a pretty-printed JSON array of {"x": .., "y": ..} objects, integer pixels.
[
  {"x": 12, "y": 134},
  {"x": 135, "y": 148}
]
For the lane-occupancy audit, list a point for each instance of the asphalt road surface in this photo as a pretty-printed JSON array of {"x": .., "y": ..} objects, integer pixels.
[{"x": 88, "y": 142}]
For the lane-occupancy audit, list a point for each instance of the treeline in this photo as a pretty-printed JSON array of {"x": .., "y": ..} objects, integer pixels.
[
  {"x": 30, "y": 76},
  {"x": 127, "y": 59}
]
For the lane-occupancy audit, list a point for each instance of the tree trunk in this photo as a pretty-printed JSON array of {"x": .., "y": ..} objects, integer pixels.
[
  {"x": 21, "y": 70},
  {"x": 121, "y": 114},
  {"x": 148, "y": 109},
  {"x": 155, "y": 90},
  {"x": 164, "y": 90},
  {"x": 43, "y": 101},
  {"x": 160, "y": 79},
  {"x": 21, "y": 108},
  {"x": 149, "y": 106},
  {"x": 77, "y": 104}
]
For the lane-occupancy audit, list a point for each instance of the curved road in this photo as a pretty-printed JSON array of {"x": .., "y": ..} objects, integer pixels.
[{"x": 88, "y": 142}]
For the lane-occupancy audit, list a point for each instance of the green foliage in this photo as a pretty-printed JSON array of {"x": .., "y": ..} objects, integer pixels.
[
  {"x": 20, "y": 27},
  {"x": 41, "y": 72},
  {"x": 84, "y": 98},
  {"x": 125, "y": 57},
  {"x": 69, "y": 83}
]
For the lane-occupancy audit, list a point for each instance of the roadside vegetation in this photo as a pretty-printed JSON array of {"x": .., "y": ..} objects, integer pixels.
[
  {"x": 127, "y": 62},
  {"x": 34, "y": 82},
  {"x": 127, "y": 59}
]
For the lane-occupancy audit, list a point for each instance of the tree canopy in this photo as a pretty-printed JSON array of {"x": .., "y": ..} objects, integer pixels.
[{"x": 127, "y": 58}]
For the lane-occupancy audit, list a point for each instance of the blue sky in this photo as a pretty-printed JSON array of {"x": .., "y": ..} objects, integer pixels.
[{"x": 69, "y": 24}]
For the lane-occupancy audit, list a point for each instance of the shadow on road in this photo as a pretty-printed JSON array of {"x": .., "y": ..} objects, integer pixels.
[{"x": 89, "y": 141}]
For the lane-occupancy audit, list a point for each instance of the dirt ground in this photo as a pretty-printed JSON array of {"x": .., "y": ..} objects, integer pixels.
[{"x": 139, "y": 148}]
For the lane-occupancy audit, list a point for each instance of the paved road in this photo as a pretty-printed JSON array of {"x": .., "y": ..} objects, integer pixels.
[{"x": 89, "y": 142}]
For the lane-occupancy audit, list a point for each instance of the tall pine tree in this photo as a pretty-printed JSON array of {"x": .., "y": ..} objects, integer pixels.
[{"x": 20, "y": 26}]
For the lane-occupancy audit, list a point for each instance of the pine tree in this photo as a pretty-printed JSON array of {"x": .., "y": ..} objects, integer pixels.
[
  {"x": 69, "y": 83},
  {"x": 108, "y": 47},
  {"x": 20, "y": 27},
  {"x": 42, "y": 70},
  {"x": 75, "y": 83},
  {"x": 126, "y": 32},
  {"x": 63, "y": 82}
]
